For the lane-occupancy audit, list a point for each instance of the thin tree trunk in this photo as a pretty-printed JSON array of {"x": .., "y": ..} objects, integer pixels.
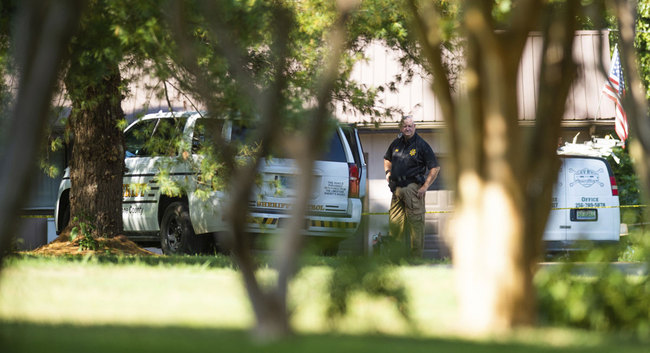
[
  {"x": 42, "y": 34},
  {"x": 97, "y": 163},
  {"x": 494, "y": 280},
  {"x": 634, "y": 102},
  {"x": 503, "y": 181}
]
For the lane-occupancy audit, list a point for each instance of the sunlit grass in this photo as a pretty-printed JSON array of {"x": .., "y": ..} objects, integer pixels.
[
  {"x": 432, "y": 304},
  {"x": 177, "y": 304},
  {"x": 93, "y": 293},
  {"x": 128, "y": 292}
]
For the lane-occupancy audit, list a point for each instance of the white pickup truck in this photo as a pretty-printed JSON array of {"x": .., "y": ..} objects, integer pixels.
[{"x": 187, "y": 223}]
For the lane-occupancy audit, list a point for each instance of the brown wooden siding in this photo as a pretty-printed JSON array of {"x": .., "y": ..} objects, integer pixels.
[{"x": 584, "y": 104}]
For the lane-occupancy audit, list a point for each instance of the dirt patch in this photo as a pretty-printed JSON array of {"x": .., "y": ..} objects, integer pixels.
[{"x": 119, "y": 245}]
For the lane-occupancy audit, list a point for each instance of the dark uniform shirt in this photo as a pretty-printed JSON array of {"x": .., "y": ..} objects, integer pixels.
[{"x": 410, "y": 160}]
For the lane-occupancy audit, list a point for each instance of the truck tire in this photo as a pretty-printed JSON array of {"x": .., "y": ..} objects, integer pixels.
[{"x": 176, "y": 232}]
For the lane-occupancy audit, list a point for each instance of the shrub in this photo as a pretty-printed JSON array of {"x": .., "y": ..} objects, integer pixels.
[
  {"x": 595, "y": 296},
  {"x": 635, "y": 247}
]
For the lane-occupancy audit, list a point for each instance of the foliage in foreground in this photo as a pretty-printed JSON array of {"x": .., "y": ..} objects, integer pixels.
[
  {"x": 369, "y": 275},
  {"x": 604, "y": 299},
  {"x": 635, "y": 247},
  {"x": 629, "y": 189},
  {"x": 599, "y": 298}
]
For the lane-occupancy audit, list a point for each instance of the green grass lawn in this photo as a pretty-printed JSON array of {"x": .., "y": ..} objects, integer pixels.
[
  {"x": 111, "y": 339},
  {"x": 203, "y": 295},
  {"x": 178, "y": 304}
]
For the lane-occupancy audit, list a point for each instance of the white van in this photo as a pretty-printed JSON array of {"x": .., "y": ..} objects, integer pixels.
[{"x": 585, "y": 204}]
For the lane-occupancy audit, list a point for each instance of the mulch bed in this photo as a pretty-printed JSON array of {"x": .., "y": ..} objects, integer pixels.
[{"x": 118, "y": 245}]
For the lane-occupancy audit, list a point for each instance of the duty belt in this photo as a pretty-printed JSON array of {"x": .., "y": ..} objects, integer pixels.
[{"x": 404, "y": 180}]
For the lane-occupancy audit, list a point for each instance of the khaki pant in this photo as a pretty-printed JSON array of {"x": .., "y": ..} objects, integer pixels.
[{"x": 406, "y": 218}]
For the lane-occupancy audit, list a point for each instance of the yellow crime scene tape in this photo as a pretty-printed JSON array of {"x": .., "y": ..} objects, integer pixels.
[
  {"x": 430, "y": 212},
  {"x": 37, "y": 216},
  {"x": 552, "y": 209},
  {"x": 591, "y": 208}
]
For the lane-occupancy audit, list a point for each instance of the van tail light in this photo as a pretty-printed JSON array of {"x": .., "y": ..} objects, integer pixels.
[
  {"x": 614, "y": 186},
  {"x": 353, "y": 189}
]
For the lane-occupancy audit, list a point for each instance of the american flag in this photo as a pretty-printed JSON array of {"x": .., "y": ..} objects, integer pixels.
[{"x": 615, "y": 90}]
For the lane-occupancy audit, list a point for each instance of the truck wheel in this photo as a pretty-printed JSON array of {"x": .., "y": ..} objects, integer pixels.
[{"x": 176, "y": 232}]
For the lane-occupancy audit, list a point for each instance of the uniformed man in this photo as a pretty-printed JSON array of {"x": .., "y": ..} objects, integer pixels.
[{"x": 411, "y": 167}]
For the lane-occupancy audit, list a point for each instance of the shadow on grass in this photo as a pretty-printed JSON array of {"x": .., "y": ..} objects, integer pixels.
[
  {"x": 209, "y": 261},
  {"x": 30, "y": 337},
  {"x": 213, "y": 261}
]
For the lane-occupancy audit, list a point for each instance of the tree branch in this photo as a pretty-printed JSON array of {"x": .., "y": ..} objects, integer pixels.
[
  {"x": 634, "y": 101},
  {"x": 557, "y": 73},
  {"x": 287, "y": 253},
  {"x": 426, "y": 26},
  {"x": 524, "y": 19}
]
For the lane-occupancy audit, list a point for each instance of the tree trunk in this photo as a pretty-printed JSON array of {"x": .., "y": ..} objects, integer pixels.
[
  {"x": 494, "y": 278},
  {"x": 634, "y": 101},
  {"x": 43, "y": 31},
  {"x": 270, "y": 309},
  {"x": 503, "y": 181},
  {"x": 97, "y": 162}
]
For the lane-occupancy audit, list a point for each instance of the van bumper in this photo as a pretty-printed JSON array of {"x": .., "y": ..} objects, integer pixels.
[{"x": 576, "y": 245}]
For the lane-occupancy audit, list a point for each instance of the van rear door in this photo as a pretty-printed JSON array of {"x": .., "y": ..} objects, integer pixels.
[
  {"x": 592, "y": 200},
  {"x": 558, "y": 221}
]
